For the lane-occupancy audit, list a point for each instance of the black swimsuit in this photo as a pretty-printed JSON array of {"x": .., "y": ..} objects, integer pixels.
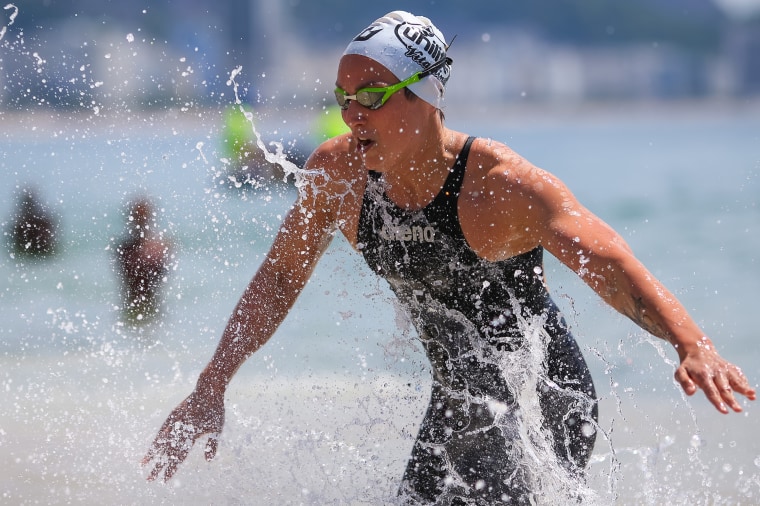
[{"x": 478, "y": 321}]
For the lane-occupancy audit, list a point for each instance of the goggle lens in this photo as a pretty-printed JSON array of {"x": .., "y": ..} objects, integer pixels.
[{"x": 369, "y": 99}]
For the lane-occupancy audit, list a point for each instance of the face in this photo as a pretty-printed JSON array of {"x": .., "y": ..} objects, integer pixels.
[{"x": 388, "y": 136}]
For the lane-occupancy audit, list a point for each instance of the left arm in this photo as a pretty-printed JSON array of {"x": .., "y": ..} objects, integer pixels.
[
  {"x": 601, "y": 258},
  {"x": 514, "y": 207}
]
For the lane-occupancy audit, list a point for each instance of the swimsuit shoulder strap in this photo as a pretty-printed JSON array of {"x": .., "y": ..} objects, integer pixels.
[
  {"x": 453, "y": 183},
  {"x": 443, "y": 209}
]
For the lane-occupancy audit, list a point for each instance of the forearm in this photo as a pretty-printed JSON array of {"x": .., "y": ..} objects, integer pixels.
[
  {"x": 656, "y": 310},
  {"x": 260, "y": 310},
  {"x": 268, "y": 297},
  {"x": 633, "y": 291}
]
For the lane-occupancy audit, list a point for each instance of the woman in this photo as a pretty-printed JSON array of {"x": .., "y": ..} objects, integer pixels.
[{"x": 457, "y": 226}]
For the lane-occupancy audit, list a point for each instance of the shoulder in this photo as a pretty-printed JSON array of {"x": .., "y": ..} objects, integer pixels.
[
  {"x": 491, "y": 156},
  {"x": 506, "y": 201},
  {"x": 495, "y": 170},
  {"x": 334, "y": 163},
  {"x": 332, "y": 182}
]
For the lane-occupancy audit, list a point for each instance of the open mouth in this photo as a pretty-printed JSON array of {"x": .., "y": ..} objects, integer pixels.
[{"x": 363, "y": 145}]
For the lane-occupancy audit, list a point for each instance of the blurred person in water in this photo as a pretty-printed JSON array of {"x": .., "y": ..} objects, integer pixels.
[
  {"x": 457, "y": 225},
  {"x": 34, "y": 230},
  {"x": 143, "y": 259}
]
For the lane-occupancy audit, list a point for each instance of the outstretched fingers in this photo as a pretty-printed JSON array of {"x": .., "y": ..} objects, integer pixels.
[
  {"x": 739, "y": 383},
  {"x": 158, "y": 466},
  {"x": 725, "y": 392},
  {"x": 170, "y": 448},
  {"x": 191, "y": 419},
  {"x": 683, "y": 378},
  {"x": 704, "y": 380},
  {"x": 719, "y": 383}
]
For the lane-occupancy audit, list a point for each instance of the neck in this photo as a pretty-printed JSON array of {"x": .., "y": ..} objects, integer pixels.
[{"x": 425, "y": 173}]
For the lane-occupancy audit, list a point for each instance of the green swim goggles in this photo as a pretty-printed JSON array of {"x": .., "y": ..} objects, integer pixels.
[{"x": 375, "y": 98}]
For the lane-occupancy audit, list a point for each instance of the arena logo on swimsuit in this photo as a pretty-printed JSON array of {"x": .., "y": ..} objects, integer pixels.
[{"x": 406, "y": 233}]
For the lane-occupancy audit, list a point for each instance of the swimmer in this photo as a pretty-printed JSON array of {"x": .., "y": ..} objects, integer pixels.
[
  {"x": 457, "y": 225},
  {"x": 142, "y": 260},
  {"x": 34, "y": 232}
]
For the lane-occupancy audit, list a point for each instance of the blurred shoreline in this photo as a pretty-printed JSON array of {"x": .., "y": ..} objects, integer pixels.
[
  {"x": 300, "y": 116},
  {"x": 610, "y": 111}
]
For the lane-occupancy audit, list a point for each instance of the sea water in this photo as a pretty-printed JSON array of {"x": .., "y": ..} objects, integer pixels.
[{"x": 327, "y": 411}]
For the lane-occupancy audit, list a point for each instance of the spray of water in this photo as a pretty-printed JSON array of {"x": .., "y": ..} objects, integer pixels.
[
  {"x": 11, "y": 19},
  {"x": 277, "y": 157}
]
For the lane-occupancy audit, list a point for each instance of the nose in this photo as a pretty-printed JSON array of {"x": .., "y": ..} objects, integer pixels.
[{"x": 354, "y": 114}]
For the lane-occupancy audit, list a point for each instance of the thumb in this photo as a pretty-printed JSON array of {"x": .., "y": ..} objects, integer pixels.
[{"x": 211, "y": 445}]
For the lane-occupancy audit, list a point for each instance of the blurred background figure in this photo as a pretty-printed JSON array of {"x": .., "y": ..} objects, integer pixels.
[
  {"x": 34, "y": 231},
  {"x": 143, "y": 258}
]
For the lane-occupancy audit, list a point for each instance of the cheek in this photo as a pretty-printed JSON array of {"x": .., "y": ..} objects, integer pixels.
[
  {"x": 408, "y": 129},
  {"x": 398, "y": 121}
]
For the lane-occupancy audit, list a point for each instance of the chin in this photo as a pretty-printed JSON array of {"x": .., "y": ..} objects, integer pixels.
[{"x": 372, "y": 163}]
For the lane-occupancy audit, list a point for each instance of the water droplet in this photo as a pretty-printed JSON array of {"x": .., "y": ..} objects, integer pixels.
[{"x": 588, "y": 430}]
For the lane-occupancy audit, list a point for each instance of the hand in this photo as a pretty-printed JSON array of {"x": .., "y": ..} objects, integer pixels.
[
  {"x": 195, "y": 416},
  {"x": 719, "y": 379}
]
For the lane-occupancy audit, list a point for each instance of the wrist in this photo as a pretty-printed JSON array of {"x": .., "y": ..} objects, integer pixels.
[
  {"x": 685, "y": 348},
  {"x": 211, "y": 383}
]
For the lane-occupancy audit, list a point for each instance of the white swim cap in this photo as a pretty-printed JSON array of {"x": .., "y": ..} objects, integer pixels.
[{"x": 404, "y": 44}]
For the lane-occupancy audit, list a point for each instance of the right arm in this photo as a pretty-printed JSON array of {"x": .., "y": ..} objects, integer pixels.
[
  {"x": 269, "y": 296},
  {"x": 303, "y": 236}
]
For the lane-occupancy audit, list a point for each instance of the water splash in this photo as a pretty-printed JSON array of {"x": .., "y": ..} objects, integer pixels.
[
  {"x": 277, "y": 157},
  {"x": 11, "y": 19}
]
